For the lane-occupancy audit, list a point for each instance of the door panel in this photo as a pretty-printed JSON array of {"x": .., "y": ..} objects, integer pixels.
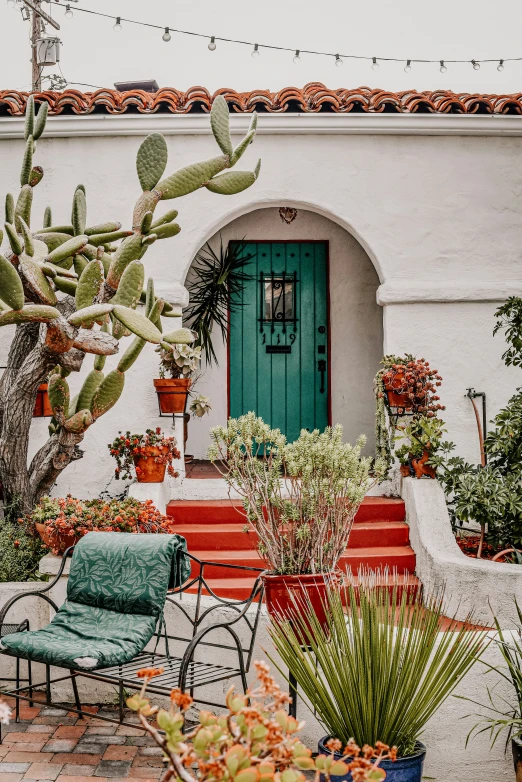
[{"x": 279, "y": 339}]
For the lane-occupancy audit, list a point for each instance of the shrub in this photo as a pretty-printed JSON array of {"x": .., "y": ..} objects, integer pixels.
[{"x": 20, "y": 553}]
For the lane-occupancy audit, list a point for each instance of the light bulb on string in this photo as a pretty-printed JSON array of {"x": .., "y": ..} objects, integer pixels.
[
  {"x": 476, "y": 65},
  {"x": 338, "y": 60},
  {"x": 166, "y": 35},
  {"x": 297, "y": 57},
  {"x": 500, "y": 66},
  {"x": 212, "y": 44},
  {"x": 117, "y": 26},
  {"x": 375, "y": 64},
  {"x": 442, "y": 68},
  {"x": 68, "y": 12},
  {"x": 11, "y": 3},
  {"x": 256, "y": 52},
  {"x": 407, "y": 67}
]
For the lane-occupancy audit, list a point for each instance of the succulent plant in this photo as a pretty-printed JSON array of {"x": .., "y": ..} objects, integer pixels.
[{"x": 73, "y": 289}]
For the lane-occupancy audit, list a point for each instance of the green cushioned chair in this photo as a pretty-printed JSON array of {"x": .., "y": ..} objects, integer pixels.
[{"x": 115, "y": 597}]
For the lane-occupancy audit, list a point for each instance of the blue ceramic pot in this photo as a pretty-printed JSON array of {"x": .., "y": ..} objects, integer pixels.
[{"x": 401, "y": 770}]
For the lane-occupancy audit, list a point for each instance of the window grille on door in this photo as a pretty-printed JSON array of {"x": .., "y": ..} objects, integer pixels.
[{"x": 278, "y": 300}]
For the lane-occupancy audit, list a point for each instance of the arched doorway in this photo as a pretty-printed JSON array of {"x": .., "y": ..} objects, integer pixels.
[{"x": 340, "y": 326}]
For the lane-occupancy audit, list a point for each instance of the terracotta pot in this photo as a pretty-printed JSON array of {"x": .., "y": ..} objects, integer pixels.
[
  {"x": 421, "y": 468},
  {"x": 187, "y": 456},
  {"x": 281, "y": 591},
  {"x": 516, "y": 749},
  {"x": 405, "y": 470},
  {"x": 56, "y": 541},
  {"x": 148, "y": 470},
  {"x": 396, "y": 399},
  {"x": 172, "y": 393},
  {"x": 42, "y": 407}
]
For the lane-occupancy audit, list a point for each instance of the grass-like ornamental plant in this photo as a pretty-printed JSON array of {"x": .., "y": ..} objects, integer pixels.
[
  {"x": 256, "y": 741},
  {"x": 301, "y": 497},
  {"x": 383, "y": 664}
]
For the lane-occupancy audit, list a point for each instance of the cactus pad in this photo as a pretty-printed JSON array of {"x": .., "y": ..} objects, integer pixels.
[
  {"x": 151, "y": 161},
  {"x": 79, "y": 422},
  {"x": 89, "y": 314},
  {"x": 98, "y": 239},
  {"x": 79, "y": 211},
  {"x": 136, "y": 323},
  {"x": 131, "y": 354},
  {"x": 32, "y": 313},
  {"x": 190, "y": 178},
  {"x": 65, "y": 285},
  {"x": 11, "y": 288},
  {"x": 14, "y": 240},
  {"x": 41, "y": 119},
  {"x": 231, "y": 182},
  {"x": 89, "y": 284},
  {"x": 131, "y": 285},
  {"x": 129, "y": 250},
  {"x": 27, "y": 237},
  {"x": 29, "y": 118},
  {"x": 36, "y": 280},
  {"x": 220, "y": 123},
  {"x": 181, "y": 337},
  {"x": 27, "y": 162},
  {"x": 107, "y": 393},
  {"x": 166, "y": 231},
  {"x": 168, "y": 217},
  {"x": 9, "y": 208},
  {"x": 90, "y": 384},
  {"x": 23, "y": 206},
  {"x": 59, "y": 394},
  {"x": 70, "y": 247}
]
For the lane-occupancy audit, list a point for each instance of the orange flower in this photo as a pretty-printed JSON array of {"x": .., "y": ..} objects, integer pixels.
[
  {"x": 181, "y": 699},
  {"x": 149, "y": 673}
]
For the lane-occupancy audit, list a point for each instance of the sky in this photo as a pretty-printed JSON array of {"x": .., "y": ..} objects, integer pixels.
[{"x": 93, "y": 54}]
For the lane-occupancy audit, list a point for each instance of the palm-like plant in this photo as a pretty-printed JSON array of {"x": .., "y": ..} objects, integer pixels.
[
  {"x": 383, "y": 664},
  {"x": 215, "y": 291},
  {"x": 503, "y": 715}
]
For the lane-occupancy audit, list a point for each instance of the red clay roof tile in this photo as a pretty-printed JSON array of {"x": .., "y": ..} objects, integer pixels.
[{"x": 314, "y": 97}]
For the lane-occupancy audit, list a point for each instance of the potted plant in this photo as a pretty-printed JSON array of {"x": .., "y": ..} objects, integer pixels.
[
  {"x": 502, "y": 716},
  {"x": 150, "y": 454},
  {"x": 178, "y": 362},
  {"x": 300, "y": 498},
  {"x": 62, "y": 521},
  {"x": 199, "y": 407},
  {"x": 411, "y": 384},
  {"x": 256, "y": 741},
  {"x": 392, "y": 652},
  {"x": 423, "y": 437}
]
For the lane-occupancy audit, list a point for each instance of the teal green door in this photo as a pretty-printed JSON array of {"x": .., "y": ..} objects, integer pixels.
[{"x": 278, "y": 364}]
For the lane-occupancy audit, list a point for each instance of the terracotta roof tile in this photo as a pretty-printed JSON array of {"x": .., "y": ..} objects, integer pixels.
[{"x": 314, "y": 97}]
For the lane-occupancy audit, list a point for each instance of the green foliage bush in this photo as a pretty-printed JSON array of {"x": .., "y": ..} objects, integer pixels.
[{"x": 20, "y": 553}]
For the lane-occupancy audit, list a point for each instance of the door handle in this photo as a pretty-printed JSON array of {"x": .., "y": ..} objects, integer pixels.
[{"x": 321, "y": 367}]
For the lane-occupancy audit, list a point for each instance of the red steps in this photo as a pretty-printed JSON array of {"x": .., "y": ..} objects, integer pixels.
[{"x": 214, "y": 530}]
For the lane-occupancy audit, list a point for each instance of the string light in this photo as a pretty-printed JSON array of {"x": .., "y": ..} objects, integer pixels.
[
  {"x": 68, "y": 13},
  {"x": 338, "y": 61},
  {"x": 11, "y": 3},
  {"x": 442, "y": 68},
  {"x": 166, "y": 35},
  {"x": 297, "y": 58},
  {"x": 256, "y": 51}
]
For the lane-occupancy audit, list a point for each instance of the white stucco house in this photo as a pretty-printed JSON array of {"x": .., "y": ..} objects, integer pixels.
[{"x": 410, "y": 202}]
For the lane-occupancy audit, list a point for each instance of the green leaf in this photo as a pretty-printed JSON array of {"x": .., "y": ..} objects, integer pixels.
[{"x": 220, "y": 123}]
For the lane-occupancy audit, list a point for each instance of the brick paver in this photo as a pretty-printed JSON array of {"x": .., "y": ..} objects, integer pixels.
[{"x": 53, "y": 745}]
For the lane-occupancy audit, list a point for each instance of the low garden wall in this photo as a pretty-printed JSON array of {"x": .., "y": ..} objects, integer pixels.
[
  {"x": 448, "y": 759},
  {"x": 485, "y": 588}
]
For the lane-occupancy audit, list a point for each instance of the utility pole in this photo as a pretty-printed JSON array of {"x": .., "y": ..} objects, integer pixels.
[{"x": 36, "y": 79}]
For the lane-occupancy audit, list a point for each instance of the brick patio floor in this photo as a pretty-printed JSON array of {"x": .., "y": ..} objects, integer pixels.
[{"x": 54, "y": 744}]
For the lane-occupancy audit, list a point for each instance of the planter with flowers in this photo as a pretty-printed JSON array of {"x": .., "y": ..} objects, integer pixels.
[
  {"x": 423, "y": 437},
  {"x": 149, "y": 455},
  {"x": 178, "y": 363},
  {"x": 300, "y": 498},
  {"x": 62, "y": 521}
]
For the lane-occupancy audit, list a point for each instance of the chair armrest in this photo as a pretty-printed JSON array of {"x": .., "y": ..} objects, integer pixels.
[{"x": 37, "y": 592}]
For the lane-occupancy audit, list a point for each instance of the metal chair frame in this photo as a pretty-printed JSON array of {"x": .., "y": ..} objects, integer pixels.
[{"x": 183, "y": 672}]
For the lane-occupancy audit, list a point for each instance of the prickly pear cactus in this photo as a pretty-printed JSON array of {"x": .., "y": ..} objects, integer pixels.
[{"x": 73, "y": 289}]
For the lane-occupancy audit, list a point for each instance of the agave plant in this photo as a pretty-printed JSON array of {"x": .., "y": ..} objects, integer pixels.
[
  {"x": 382, "y": 665},
  {"x": 73, "y": 289}
]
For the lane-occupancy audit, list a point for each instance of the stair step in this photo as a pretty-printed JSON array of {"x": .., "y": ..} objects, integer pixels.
[
  {"x": 240, "y": 588},
  {"x": 229, "y": 511},
  {"x": 219, "y": 537},
  {"x": 400, "y": 558}
]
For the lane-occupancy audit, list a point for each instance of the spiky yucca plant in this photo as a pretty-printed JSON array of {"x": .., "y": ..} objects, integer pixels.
[
  {"x": 73, "y": 289},
  {"x": 383, "y": 664}
]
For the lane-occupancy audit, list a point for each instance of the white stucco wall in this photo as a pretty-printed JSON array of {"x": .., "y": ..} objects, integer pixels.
[
  {"x": 356, "y": 341},
  {"x": 439, "y": 216}
]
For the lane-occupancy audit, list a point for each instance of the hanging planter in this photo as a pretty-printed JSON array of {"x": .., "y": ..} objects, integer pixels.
[
  {"x": 149, "y": 455},
  {"x": 150, "y": 464},
  {"x": 172, "y": 394},
  {"x": 392, "y": 382},
  {"x": 42, "y": 407}
]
